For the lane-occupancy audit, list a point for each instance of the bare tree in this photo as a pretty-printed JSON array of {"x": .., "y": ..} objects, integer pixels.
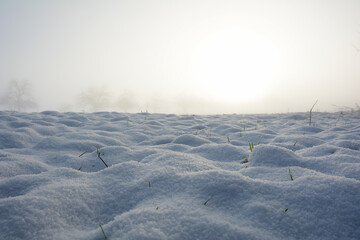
[
  {"x": 95, "y": 98},
  {"x": 18, "y": 96},
  {"x": 126, "y": 102}
]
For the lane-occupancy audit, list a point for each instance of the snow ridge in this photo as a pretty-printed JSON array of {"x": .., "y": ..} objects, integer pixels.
[{"x": 179, "y": 177}]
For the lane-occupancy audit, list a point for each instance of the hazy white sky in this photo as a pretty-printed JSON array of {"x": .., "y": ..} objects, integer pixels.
[{"x": 255, "y": 56}]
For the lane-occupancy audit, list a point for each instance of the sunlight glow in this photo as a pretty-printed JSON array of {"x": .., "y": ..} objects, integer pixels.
[{"x": 236, "y": 67}]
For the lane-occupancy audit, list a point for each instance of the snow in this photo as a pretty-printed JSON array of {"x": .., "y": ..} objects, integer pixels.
[{"x": 179, "y": 177}]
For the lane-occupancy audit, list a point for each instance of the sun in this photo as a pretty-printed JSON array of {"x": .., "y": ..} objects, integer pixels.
[{"x": 235, "y": 67}]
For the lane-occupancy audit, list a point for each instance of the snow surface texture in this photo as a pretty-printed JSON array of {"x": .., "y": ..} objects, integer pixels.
[{"x": 179, "y": 177}]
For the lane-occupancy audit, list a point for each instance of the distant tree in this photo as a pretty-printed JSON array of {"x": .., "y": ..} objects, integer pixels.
[
  {"x": 18, "y": 96},
  {"x": 95, "y": 98},
  {"x": 356, "y": 46},
  {"x": 126, "y": 102}
]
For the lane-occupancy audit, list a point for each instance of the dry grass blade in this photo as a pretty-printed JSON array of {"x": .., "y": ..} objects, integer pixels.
[
  {"x": 311, "y": 111},
  {"x": 98, "y": 153},
  {"x": 82, "y": 153},
  {"x": 102, "y": 230},
  {"x": 206, "y": 202}
]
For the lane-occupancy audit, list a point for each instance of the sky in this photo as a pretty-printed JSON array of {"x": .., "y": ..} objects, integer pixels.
[{"x": 183, "y": 57}]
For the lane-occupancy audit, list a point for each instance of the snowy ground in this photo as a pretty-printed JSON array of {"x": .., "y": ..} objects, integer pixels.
[{"x": 179, "y": 177}]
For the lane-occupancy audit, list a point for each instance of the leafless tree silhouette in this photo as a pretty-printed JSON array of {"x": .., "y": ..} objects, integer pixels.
[
  {"x": 18, "y": 96},
  {"x": 126, "y": 102},
  {"x": 95, "y": 98}
]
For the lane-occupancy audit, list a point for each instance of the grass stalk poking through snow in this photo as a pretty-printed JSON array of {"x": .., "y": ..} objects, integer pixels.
[
  {"x": 102, "y": 230},
  {"x": 157, "y": 207},
  {"x": 209, "y": 133},
  {"x": 206, "y": 202},
  {"x": 311, "y": 112},
  {"x": 251, "y": 145},
  {"x": 292, "y": 179},
  {"x": 82, "y": 153},
  {"x": 228, "y": 139},
  {"x": 246, "y": 160},
  {"x": 98, "y": 153},
  {"x": 79, "y": 169}
]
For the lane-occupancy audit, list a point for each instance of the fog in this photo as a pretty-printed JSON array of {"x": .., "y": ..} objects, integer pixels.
[{"x": 182, "y": 57}]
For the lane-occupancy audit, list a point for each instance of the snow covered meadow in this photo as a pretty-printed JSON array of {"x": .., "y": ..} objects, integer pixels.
[{"x": 179, "y": 176}]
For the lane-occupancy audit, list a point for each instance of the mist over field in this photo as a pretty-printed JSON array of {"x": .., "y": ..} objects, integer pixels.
[{"x": 184, "y": 57}]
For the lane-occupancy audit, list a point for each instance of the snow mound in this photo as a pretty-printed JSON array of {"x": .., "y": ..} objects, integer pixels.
[
  {"x": 220, "y": 152},
  {"x": 156, "y": 176},
  {"x": 190, "y": 140},
  {"x": 273, "y": 156}
]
